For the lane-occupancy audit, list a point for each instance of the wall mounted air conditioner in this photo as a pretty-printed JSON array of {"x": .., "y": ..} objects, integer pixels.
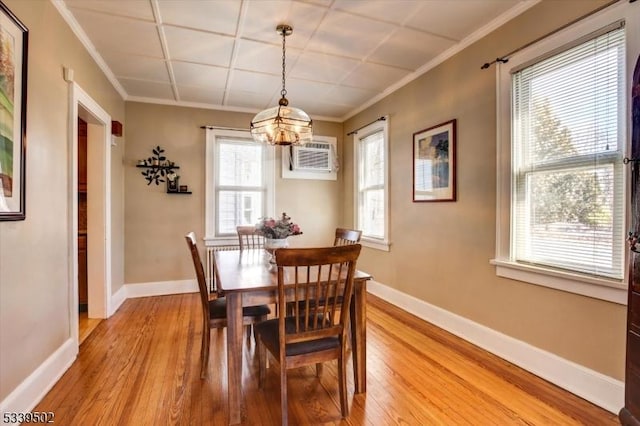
[
  {"x": 312, "y": 157},
  {"x": 315, "y": 160}
]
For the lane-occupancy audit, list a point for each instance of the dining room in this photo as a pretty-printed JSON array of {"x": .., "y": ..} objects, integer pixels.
[{"x": 449, "y": 326}]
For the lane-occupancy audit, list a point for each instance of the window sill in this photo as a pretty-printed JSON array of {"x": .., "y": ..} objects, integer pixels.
[
  {"x": 599, "y": 288},
  {"x": 375, "y": 244}
]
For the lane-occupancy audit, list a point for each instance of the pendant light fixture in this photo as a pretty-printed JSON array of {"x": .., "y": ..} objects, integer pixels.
[{"x": 282, "y": 125}]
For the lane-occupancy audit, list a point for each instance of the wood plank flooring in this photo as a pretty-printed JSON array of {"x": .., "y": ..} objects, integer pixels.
[
  {"x": 86, "y": 325},
  {"x": 141, "y": 367}
]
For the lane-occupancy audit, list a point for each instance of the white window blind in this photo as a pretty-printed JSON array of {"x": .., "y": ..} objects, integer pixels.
[
  {"x": 371, "y": 184},
  {"x": 567, "y": 136}
]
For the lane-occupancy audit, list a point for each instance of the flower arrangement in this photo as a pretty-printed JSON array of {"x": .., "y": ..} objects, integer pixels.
[{"x": 278, "y": 229}]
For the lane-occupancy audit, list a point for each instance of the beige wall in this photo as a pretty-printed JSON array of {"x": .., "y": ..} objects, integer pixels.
[
  {"x": 35, "y": 281},
  {"x": 156, "y": 222},
  {"x": 441, "y": 251}
]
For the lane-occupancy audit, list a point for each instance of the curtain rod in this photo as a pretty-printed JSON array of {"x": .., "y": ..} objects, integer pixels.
[
  {"x": 505, "y": 58},
  {"x": 222, "y": 128},
  {"x": 353, "y": 132}
]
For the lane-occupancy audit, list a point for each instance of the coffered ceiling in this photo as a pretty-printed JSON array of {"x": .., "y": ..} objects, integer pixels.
[{"x": 343, "y": 55}]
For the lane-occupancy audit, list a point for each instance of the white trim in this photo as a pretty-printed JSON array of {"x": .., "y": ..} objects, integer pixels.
[
  {"x": 598, "y": 288},
  {"x": 602, "y": 390},
  {"x": 609, "y": 290},
  {"x": 211, "y": 150},
  {"x": 100, "y": 306},
  {"x": 117, "y": 299},
  {"x": 367, "y": 241},
  {"x": 30, "y": 392},
  {"x": 61, "y": 6},
  {"x": 376, "y": 244},
  {"x": 160, "y": 288}
]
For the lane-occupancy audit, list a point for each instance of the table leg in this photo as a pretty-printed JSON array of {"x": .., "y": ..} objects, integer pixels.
[
  {"x": 358, "y": 311},
  {"x": 234, "y": 356}
]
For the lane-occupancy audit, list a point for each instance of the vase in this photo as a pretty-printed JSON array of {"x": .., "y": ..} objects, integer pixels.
[{"x": 272, "y": 244}]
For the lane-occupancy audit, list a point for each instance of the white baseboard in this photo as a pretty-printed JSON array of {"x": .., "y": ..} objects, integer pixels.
[
  {"x": 117, "y": 299},
  {"x": 595, "y": 387},
  {"x": 160, "y": 288},
  {"x": 31, "y": 391}
]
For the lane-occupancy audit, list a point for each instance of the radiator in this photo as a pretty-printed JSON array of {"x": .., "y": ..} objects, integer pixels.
[{"x": 209, "y": 272}]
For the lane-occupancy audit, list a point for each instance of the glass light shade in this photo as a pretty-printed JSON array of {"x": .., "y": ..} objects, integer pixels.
[{"x": 282, "y": 125}]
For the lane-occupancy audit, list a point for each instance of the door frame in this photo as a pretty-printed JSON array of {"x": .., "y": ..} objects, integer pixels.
[{"x": 99, "y": 303}]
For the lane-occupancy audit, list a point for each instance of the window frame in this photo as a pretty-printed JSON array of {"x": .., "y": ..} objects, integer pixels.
[
  {"x": 213, "y": 138},
  {"x": 383, "y": 243},
  {"x": 612, "y": 290}
]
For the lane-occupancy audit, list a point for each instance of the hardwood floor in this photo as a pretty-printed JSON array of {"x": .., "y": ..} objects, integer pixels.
[
  {"x": 141, "y": 367},
  {"x": 86, "y": 325}
]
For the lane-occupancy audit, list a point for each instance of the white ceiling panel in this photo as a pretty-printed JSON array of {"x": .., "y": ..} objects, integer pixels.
[
  {"x": 226, "y": 53},
  {"x": 254, "y": 82},
  {"x": 262, "y": 18},
  {"x": 198, "y": 46},
  {"x": 142, "y": 68},
  {"x": 220, "y": 16},
  {"x": 262, "y": 57},
  {"x": 200, "y": 95},
  {"x": 457, "y": 19},
  {"x": 390, "y": 11},
  {"x": 322, "y": 67},
  {"x": 342, "y": 34},
  {"x": 205, "y": 76},
  {"x": 350, "y": 95},
  {"x": 133, "y": 9},
  {"x": 374, "y": 76},
  {"x": 147, "y": 89},
  {"x": 299, "y": 90},
  {"x": 108, "y": 32},
  {"x": 246, "y": 99},
  {"x": 409, "y": 49}
]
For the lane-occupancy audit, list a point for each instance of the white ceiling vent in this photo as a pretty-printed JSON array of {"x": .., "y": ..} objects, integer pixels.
[{"x": 315, "y": 160}]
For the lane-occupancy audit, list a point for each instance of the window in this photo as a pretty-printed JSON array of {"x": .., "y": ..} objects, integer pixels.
[
  {"x": 240, "y": 183},
  {"x": 372, "y": 197},
  {"x": 562, "y": 112}
]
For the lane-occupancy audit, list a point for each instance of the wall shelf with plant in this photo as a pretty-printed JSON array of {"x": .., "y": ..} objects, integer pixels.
[{"x": 158, "y": 169}]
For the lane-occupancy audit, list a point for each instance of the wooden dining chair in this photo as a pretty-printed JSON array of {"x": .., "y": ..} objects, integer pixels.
[
  {"x": 346, "y": 236},
  {"x": 214, "y": 308},
  {"x": 249, "y": 237},
  {"x": 314, "y": 278}
]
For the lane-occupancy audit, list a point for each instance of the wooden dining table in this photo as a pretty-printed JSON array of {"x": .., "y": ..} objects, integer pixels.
[{"x": 246, "y": 278}]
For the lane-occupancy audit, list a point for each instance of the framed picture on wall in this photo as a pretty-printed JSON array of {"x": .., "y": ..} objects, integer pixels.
[
  {"x": 434, "y": 163},
  {"x": 13, "y": 114}
]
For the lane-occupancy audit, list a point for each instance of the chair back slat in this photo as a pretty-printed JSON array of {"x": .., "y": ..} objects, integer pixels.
[
  {"x": 249, "y": 237},
  {"x": 346, "y": 237},
  {"x": 197, "y": 263},
  {"x": 320, "y": 283}
]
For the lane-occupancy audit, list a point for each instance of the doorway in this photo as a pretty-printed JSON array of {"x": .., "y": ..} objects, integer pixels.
[{"x": 90, "y": 213}]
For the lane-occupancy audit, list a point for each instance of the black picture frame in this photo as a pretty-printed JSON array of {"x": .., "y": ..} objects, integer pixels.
[
  {"x": 434, "y": 163},
  {"x": 14, "y": 36}
]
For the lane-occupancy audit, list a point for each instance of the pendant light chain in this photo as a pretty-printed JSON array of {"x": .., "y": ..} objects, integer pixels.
[{"x": 284, "y": 38}]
